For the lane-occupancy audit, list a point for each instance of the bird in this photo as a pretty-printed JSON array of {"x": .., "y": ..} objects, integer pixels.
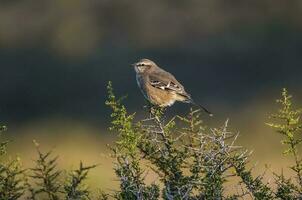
[{"x": 160, "y": 87}]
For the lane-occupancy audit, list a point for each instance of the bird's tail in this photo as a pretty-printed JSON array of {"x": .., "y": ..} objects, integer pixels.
[{"x": 200, "y": 106}]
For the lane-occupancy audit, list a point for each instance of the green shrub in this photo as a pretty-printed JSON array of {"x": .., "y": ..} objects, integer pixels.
[
  {"x": 74, "y": 188},
  {"x": 287, "y": 123},
  {"x": 191, "y": 161},
  {"x": 12, "y": 181},
  {"x": 46, "y": 176}
]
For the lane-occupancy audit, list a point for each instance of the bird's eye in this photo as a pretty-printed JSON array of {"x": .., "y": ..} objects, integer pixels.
[{"x": 142, "y": 64}]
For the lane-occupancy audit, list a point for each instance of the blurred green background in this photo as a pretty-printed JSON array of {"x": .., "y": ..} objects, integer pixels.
[{"x": 57, "y": 56}]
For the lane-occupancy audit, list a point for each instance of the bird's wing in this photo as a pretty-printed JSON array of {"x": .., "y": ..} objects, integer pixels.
[{"x": 166, "y": 81}]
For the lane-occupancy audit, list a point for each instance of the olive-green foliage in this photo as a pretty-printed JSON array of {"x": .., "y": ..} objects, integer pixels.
[
  {"x": 127, "y": 166},
  {"x": 191, "y": 161},
  {"x": 47, "y": 182},
  {"x": 102, "y": 195},
  {"x": 12, "y": 182},
  {"x": 3, "y": 144},
  {"x": 285, "y": 188},
  {"x": 287, "y": 122},
  {"x": 46, "y": 175},
  {"x": 74, "y": 188},
  {"x": 43, "y": 181},
  {"x": 255, "y": 186}
]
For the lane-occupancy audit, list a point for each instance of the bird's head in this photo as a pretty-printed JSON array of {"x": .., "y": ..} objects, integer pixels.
[{"x": 143, "y": 65}]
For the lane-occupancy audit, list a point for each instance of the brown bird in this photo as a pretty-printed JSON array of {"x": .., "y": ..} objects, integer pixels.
[{"x": 160, "y": 87}]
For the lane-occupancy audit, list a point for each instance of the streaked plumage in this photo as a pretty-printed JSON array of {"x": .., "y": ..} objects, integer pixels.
[{"x": 159, "y": 86}]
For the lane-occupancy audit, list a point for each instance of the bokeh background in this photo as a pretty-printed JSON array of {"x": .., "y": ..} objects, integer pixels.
[{"x": 56, "y": 57}]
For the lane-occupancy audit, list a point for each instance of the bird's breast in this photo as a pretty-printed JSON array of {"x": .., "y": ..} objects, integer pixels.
[{"x": 141, "y": 84}]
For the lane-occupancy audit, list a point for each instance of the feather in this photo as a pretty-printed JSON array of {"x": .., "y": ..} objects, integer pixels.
[{"x": 166, "y": 81}]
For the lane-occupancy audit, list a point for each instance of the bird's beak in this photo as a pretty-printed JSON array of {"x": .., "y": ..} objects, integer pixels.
[{"x": 133, "y": 65}]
